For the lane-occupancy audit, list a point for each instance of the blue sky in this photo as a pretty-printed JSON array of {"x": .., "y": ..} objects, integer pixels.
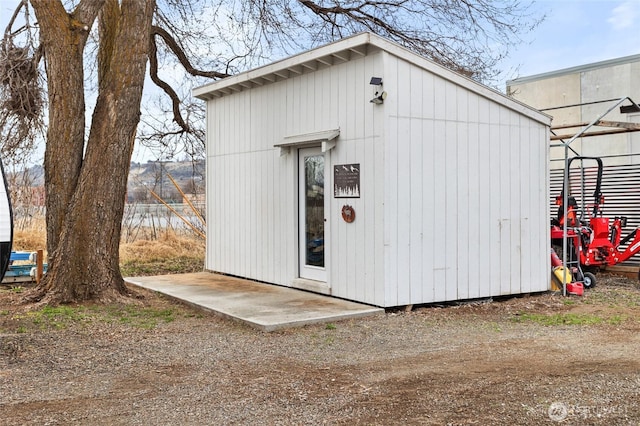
[
  {"x": 578, "y": 32},
  {"x": 575, "y": 32}
]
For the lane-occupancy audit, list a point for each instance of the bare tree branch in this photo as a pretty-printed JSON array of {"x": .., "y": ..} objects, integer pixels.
[
  {"x": 16, "y": 13},
  {"x": 178, "y": 51},
  {"x": 467, "y": 36},
  {"x": 182, "y": 58},
  {"x": 21, "y": 91},
  {"x": 85, "y": 172}
]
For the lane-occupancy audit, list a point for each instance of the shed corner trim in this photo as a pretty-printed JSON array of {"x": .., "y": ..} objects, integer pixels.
[{"x": 327, "y": 139}]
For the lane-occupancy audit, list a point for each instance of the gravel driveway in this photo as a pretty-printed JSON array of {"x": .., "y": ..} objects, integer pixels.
[{"x": 541, "y": 359}]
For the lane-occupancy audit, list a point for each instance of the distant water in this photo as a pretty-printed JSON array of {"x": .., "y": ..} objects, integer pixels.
[{"x": 160, "y": 216}]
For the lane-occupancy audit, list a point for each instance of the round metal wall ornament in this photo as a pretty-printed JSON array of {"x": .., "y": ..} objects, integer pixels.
[{"x": 348, "y": 213}]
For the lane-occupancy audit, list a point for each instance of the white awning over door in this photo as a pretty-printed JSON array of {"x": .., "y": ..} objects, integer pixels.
[{"x": 326, "y": 138}]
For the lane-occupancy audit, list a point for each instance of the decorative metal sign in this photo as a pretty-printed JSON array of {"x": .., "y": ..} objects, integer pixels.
[
  {"x": 346, "y": 181},
  {"x": 348, "y": 213}
]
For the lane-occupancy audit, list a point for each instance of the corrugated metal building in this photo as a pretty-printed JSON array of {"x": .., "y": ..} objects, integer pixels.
[
  {"x": 361, "y": 170},
  {"x": 586, "y": 87}
]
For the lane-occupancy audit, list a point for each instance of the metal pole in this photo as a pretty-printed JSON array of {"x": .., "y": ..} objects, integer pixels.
[
  {"x": 595, "y": 121},
  {"x": 565, "y": 198}
]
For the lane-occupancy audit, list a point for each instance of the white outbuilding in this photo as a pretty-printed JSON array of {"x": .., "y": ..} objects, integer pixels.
[{"x": 364, "y": 171}]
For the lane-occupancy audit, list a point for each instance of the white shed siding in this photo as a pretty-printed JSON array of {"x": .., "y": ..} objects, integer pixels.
[
  {"x": 252, "y": 228},
  {"x": 355, "y": 249},
  {"x": 464, "y": 188},
  {"x": 453, "y": 177},
  {"x": 249, "y": 232}
]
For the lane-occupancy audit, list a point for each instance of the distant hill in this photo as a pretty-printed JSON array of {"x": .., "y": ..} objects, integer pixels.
[
  {"x": 154, "y": 175},
  {"x": 33, "y": 176},
  {"x": 181, "y": 171},
  {"x": 190, "y": 177}
]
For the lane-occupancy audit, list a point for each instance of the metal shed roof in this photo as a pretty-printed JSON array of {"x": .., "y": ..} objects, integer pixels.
[
  {"x": 342, "y": 51},
  {"x": 577, "y": 69}
]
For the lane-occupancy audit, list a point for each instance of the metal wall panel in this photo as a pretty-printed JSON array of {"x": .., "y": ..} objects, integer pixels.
[{"x": 620, "y": 187}]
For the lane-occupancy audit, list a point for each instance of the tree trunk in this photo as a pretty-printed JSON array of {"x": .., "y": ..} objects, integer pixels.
[
  {"x": 84, "y": 253},
  {"x": 63, "y": 39}
]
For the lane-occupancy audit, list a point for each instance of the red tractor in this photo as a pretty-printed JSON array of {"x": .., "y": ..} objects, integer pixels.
[{"x": 593, "y": 241}]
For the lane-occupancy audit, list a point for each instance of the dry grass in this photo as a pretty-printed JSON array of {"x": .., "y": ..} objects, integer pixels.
[
  {"x": 31, "y": 238},
  {"x": 169, "y": 253},
  {"x": 166, "y": 246}
]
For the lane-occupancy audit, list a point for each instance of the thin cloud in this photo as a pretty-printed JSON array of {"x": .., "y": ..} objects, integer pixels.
[{"x": 624, "y": 15}]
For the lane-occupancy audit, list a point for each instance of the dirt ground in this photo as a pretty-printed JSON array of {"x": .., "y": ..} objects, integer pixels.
[{"x": 532, "y": 360}]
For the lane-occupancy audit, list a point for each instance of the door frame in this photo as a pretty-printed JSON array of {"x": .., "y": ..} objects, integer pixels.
[{"x": 309, "y": 275}]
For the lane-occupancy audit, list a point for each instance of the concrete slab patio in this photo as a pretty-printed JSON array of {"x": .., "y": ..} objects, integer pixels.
[{"x": 264, "y": 306}]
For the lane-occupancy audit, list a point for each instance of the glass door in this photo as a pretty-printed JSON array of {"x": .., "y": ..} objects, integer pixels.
[{"x": 312, "y": 214}]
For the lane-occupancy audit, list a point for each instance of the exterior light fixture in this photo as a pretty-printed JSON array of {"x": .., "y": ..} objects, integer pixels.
[
  {"x": 629, "y": 109},
  {"x": 379, "y": 99},
  {"x": 380, "y": 95}
]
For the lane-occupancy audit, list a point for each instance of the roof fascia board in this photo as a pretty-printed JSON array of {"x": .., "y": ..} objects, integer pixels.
[
  {"x": 338, "y": 50},
  {"x": 342, "y": 49},
  {"x": 459, "y": 79}
]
